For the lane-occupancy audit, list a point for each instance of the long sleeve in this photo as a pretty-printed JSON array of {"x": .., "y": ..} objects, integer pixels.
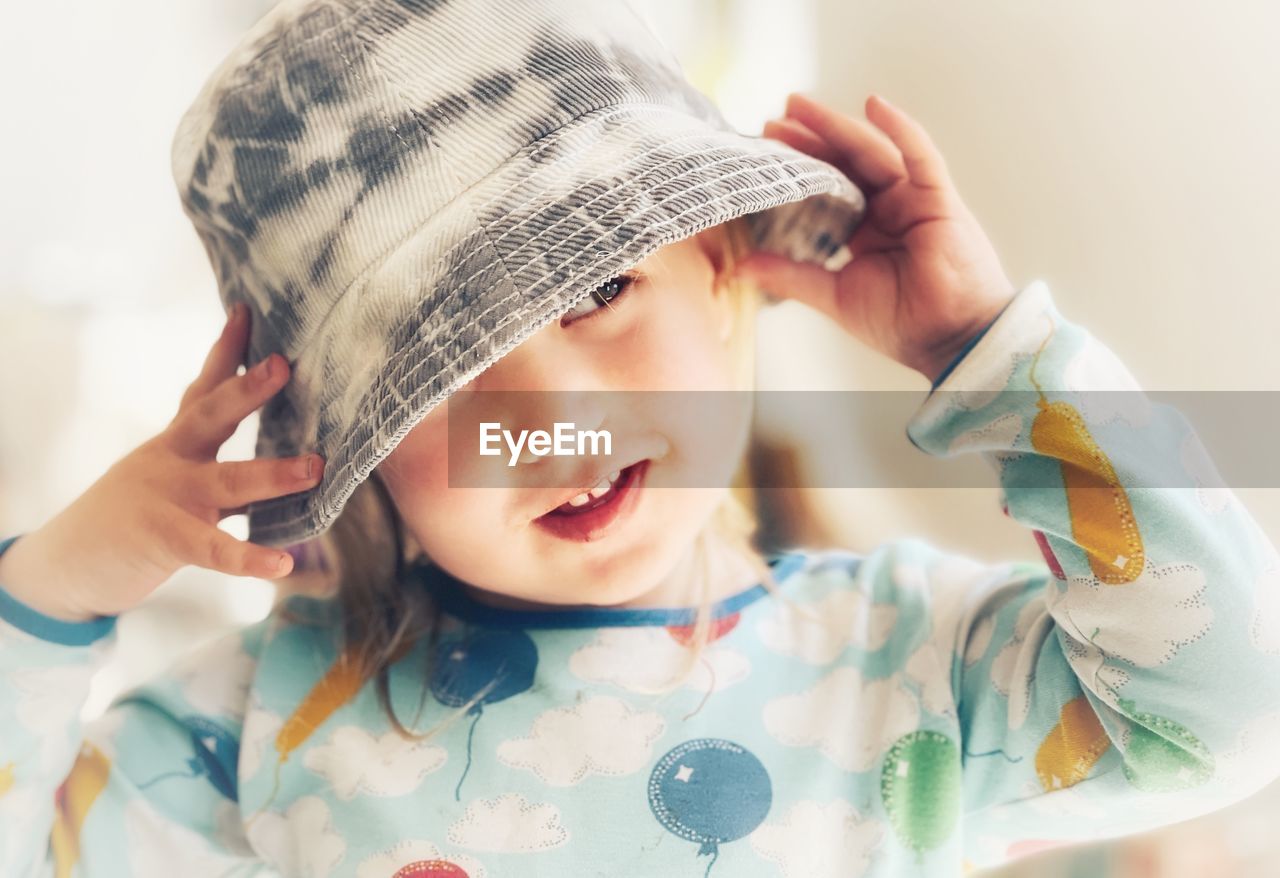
[
  {"x": 1133, "y": 679},
  {"x": 148, "y": 788}
]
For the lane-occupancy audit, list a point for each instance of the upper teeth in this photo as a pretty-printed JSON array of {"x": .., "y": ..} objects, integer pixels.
[{"x": 601, "y": 487}]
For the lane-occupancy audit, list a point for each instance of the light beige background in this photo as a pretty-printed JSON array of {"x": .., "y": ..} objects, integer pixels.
[{"x": 1122, "y": 152}]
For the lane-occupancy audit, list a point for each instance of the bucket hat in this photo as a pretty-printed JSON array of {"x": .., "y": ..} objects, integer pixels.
[{"x": 402, "y": 191}]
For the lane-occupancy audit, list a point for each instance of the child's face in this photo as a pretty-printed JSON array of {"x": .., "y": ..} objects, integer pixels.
[{"x": 670, "y": 330}]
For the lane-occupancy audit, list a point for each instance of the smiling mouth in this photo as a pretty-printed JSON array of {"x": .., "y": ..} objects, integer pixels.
[{"x": 586, "y": 515}]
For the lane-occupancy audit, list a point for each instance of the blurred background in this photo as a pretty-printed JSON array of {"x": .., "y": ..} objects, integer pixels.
[{"x": 1124, "y": 153}]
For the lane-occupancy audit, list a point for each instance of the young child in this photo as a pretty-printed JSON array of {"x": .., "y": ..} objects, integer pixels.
[{"x": 415, "y": 207}]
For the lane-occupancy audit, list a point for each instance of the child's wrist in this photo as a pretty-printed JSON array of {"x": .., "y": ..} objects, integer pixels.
[
  {"x": 937, "y": 361},
  {"x": 28, "y": 577}
]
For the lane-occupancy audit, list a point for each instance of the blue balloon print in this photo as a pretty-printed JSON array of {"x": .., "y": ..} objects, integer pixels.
[
  {"x": 217, "y": 753},
  {"x": 481, "y": 668},
  {"x": 710, "y": 790}
]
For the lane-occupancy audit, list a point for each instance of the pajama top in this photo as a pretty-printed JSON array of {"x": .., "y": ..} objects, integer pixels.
[{"x": 905, "y": 712}]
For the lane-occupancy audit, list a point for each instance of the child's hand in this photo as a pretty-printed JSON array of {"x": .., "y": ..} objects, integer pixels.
[
  {"x": 924, "y": 279},
  {"x": 157, "y": 509}
]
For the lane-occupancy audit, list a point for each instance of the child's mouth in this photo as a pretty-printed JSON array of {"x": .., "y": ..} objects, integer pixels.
[{"x": 588, "y": 515}]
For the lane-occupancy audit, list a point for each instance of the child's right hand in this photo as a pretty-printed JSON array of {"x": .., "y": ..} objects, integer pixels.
[{"x": 157, "y": 509}]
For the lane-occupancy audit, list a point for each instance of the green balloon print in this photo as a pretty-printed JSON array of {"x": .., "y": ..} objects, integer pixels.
[
  {"x": 1163, "y": 756},
  {"x": 920, "y": 786}
]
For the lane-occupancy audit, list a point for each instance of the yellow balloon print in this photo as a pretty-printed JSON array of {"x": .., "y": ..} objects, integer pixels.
[
  {"x": 87, "y": 780},
  {"x": 1071, "y": 749},
  {"x": 339, "y": 685},
  {"x": 1102, "y": 520},
  {"x": 6, "y": 779}
]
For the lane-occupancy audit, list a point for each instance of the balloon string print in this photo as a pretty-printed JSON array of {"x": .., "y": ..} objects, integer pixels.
[
  {"x": 1007, "y": 758},
  {"x": 479, "y": 668},
  {"x": 475, "y": 709},
  {"x": 338, "y": 686},
  {"x": 1102, "y": 519},
  {"x": 710, "y": 791},
  {"x": 217, "y": 753}
]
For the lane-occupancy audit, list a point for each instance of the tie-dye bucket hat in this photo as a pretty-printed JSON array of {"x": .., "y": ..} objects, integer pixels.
[{"x": 404, "y": 190}]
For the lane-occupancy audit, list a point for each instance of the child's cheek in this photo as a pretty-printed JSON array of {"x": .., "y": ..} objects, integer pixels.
[{"x": 676, "y": 345}]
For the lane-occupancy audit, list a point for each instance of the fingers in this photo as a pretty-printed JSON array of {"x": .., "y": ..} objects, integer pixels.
[
  {"x": 796, "y": 135},
  {"x": 924, "y": 163},
  {"x": 872, "y": 157},
  {"x": 208, "y": 421},
  {"x": 224, "y": 357},
  {"x": 232, "y": 485},
  {"x": 206, "y": 545}
]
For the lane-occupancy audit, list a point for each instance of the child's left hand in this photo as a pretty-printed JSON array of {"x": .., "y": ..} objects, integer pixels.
[{"x": 924, "y": 278}]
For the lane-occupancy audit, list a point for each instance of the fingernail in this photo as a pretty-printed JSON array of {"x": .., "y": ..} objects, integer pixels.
[
  {"x": 302, "y": 469},
  {"x": 264, "y": 369},
  {"x": 233, "y": 312}
]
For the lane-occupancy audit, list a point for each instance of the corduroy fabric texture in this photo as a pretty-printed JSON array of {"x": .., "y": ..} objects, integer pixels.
[{"x": 402, "y": 192}]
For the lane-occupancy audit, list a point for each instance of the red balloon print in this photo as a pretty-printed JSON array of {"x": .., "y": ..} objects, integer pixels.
[
  {"x": 431, "y": 869},
  {"x": 1049, "y": 558},
  {"x": 683, "y": 634}
]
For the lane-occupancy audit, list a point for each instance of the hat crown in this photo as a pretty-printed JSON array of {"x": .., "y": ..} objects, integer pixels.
[{"x": 337, "y": 127}]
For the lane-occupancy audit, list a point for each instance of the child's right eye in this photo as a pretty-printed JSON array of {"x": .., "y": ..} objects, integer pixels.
[{"x": 601, "y": 297}]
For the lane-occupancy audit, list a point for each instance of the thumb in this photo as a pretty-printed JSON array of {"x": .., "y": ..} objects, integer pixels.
[{"x": 788, "y": 279}]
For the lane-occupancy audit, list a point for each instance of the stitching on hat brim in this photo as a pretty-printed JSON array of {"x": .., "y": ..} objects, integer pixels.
[{"x": 311, "y": 503}]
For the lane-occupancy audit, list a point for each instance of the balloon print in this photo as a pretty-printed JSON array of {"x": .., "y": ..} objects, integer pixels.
[
  {"x": 1102, "y": 520},
  {"x": 1055, "y": 566},
  {"x": 72, "y": 801},
  {"x": 683, "y": 634},
  {"x": 431, "y": 869},
  {"x": 1072, "y": 747},
  {"x": 481, "y": 668},
  {"x": 710, "y": 791},
  {"x": 216, "y": 754},
  {"x": 1162, "y": 755},
  {"x": 6, "y": 779},
  {"x": 920, "y": 786}
]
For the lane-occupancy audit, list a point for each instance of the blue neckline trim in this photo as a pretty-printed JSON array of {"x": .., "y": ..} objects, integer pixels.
[
  {"x": 451, "y": 598},
  {"x": 37, "y": 624}
]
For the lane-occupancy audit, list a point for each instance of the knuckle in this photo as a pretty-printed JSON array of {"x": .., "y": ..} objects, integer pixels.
[
  {"x": 229, "y": 480},
  {"x": 219, "y": 552}
]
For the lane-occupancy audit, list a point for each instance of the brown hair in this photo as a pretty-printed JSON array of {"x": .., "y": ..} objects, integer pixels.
[{"x": 371, "y": 552}]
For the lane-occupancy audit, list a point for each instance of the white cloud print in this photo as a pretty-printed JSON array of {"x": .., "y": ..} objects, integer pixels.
[
  {"x": 819, "y": 841},
  {"x": 1143, "y": 637},
  {"x": 302, "y": 842},
  {"x": 1264, "y": 627},
  {"x": 385, "y": 864},
  {"x": 601, "y": 735},
  {"x": 355, "y": 762},
  {"x": 157, "y": 843},
  {"x": 851, "y": 721},
  {"x": 843, "y": 618},
  {"x": 1014, "y": 667},
  {"x": 260, "y": 729},
  {"x": 643, "y": 659},
  {"x": 509, "y": 824},
  {"x": 215, "y": 679},
  {"x": 1211, "y": 490},
  {"x": 1106, "y": 388}
]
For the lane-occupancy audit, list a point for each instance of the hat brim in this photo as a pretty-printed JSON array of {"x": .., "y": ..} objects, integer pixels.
[{"x": 515, "y": 251}]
